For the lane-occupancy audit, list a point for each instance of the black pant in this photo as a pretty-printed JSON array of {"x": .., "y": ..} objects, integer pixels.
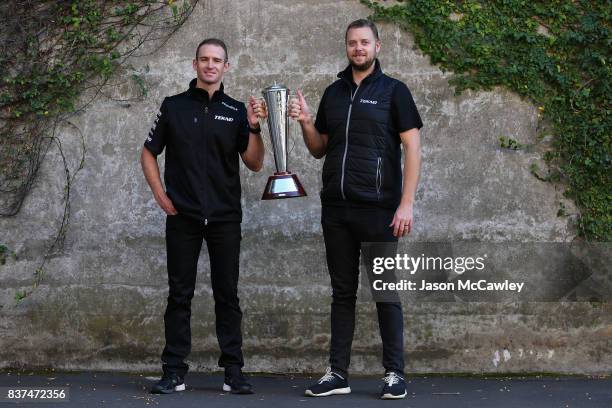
[
  {"x": 344, "y": 229},
  {"x": 184, "y": 237}
]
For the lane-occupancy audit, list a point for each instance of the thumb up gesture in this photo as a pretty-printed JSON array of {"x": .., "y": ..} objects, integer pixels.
[{"x": 298, "y": 108}]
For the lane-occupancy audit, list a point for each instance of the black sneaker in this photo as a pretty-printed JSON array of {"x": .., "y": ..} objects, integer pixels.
[
  {"x": 331, "y": 383},
  {"x": 168, "y": 384},
  {"x": 235, "y": 382},
  {"x": 394, "y": 387}
]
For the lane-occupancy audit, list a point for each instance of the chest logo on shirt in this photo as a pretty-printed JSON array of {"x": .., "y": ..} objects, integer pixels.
[
  {"x": 371, "y": 102},
  {"x": 225, "y": 118},
  {"x": 229, "y": 106}
]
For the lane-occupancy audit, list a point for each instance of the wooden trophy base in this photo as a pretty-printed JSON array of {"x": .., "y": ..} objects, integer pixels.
[{"x": 283, "y": 185}]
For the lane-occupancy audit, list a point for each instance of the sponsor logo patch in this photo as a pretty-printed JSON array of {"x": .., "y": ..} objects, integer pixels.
[
  {"x": 229, "y": 106},
  {"x": 371, "y": 102},
  {"x": 225, "y": 118},
  {"x": 149, "y": 138}
]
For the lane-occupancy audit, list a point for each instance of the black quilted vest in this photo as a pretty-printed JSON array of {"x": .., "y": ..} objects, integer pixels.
[{"x": 363, "y": 158}]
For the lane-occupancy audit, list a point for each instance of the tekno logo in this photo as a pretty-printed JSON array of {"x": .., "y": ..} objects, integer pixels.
[{"x": 225, "y": 118}]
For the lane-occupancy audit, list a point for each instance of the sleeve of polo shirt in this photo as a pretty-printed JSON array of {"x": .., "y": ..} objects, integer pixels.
[
  {"x": 243, "y": 131},
  {"x": 321, "y": 120},
  {"x": 156, "y": 140},
  {"x": 403, "y": 109}
]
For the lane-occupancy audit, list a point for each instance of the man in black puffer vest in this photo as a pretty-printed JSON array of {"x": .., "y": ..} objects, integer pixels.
[{"x": 363, "y": 120}]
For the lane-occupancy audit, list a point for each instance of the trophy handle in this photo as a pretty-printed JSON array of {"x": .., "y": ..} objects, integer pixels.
[
  {"x": 263, "y": 123},
  {"x": 291, "y": 124}
]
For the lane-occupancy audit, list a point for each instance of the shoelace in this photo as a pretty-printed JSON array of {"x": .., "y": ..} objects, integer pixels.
[
  {"x": 391, "y": 379},
  {"x": 327, "y": 377}
]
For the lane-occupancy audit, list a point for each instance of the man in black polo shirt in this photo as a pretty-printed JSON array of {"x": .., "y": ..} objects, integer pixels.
[
  {"x": 363, "y": 120},
  {"x": 204, "y": 131}
]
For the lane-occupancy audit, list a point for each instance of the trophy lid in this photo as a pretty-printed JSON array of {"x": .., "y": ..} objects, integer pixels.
[{"x": 275, "y": 87}]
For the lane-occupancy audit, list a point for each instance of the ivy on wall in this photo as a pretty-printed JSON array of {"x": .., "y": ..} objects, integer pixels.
[
  {"x": 555, "y": 53},
  {"x": 53, "y": 51},
  {"x": 56, "y": 57}
]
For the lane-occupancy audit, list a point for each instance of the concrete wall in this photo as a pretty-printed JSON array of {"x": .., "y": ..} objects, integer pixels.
[{"x": 100, "y": 305}]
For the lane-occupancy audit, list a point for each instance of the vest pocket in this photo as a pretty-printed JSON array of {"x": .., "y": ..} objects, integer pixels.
[{"x": 378, "y": 177}]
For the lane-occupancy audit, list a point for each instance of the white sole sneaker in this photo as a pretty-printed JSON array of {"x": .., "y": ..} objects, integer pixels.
[
  {"x": 337, "y": 391},
  {"x": 391, "y": 396},
  {"x": 228, "y": 388},
  {"x": 180, "y": 387}
]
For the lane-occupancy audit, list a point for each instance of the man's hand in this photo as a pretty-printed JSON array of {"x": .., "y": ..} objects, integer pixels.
[
  {"x": 298, "y": 108},
  {"x": 151, "y": 172},
  {"x": 165, "y": 203},
  {"x": 402, "y": 220},
  {"x": 256, "y": 109}
]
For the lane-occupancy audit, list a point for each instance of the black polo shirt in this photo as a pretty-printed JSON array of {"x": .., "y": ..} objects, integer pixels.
[{"x": 203, "y": 138}]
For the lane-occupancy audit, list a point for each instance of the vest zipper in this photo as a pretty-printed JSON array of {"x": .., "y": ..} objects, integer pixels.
[{"x": 348, "y": 119}]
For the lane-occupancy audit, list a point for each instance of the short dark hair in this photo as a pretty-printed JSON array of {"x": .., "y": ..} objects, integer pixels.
[
  {"x": 213, "y": 41},
  {"x": 362, "y": 22}
]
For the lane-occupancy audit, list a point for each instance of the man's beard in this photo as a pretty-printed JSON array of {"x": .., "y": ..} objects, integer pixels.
[{"x": 363, "y": 66}]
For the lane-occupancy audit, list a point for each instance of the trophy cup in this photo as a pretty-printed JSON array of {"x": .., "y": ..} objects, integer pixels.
[{"x": 283, "y": 184}]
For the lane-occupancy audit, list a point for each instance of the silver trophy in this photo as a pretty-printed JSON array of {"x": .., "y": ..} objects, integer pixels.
[{"x": 283, "y": 184}]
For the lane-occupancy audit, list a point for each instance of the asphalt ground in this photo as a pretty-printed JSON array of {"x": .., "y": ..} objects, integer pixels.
[{"x": 111, "y": 389}]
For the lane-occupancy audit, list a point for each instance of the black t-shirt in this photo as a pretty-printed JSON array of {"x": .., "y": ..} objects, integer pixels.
[{"x": 404, "y": 113}]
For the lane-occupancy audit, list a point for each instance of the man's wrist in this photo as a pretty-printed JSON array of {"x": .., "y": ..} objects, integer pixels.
[
  {"x": 158, "y": 193},
  {"x": 256, "y": 129},
  {"x": 307, "y": 121}
]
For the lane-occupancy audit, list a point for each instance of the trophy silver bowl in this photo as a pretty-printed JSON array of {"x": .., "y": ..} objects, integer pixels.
[{"x": 283, "y": 184}]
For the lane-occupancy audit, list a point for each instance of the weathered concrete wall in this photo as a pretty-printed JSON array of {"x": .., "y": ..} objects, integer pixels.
[{"x": 101, "y": 303}]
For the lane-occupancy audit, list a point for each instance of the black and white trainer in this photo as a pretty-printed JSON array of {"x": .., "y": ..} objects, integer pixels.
[
  {"x": 331, "y": 383},
  {"x": 394, "y": 386},
  {"x": 168, "y": 384},
  {"x": 235, "y": 382}
]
